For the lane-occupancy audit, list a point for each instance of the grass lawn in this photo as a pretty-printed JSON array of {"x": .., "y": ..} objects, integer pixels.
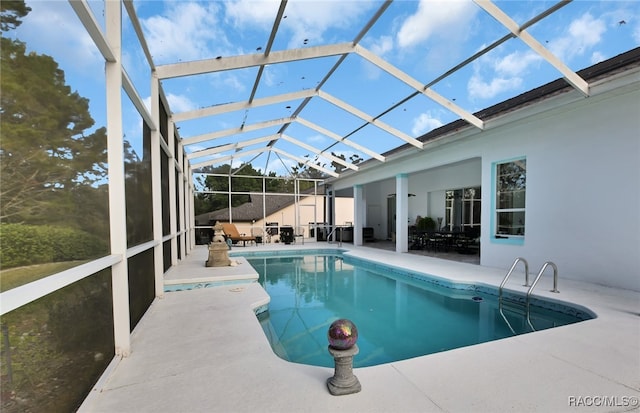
[
  {"x": 14, "y": 277},
  {"x": 55, "y": 348}
]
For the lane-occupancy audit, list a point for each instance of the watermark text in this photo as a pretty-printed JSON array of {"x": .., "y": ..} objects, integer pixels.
[{"x": 603, "y": 401}]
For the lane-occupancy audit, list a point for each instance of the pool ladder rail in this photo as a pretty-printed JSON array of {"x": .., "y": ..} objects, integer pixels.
[
  {"x": 332, "y": 234},
  {"x": 526, "y": 284}
]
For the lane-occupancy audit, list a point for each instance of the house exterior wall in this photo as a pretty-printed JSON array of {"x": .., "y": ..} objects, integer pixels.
[
  {"x": 583, "y": 181},
  {"x": 376, "y": 211},
  {"x": 583, "y": 198},
  {"x": 287, "y": 215}
]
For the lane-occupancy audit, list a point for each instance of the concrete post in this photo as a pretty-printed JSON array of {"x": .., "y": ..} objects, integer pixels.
[{"x": 343, "y": 380}]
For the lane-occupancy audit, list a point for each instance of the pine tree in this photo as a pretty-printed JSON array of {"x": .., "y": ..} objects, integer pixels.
[{"x": 45, "y": 155}]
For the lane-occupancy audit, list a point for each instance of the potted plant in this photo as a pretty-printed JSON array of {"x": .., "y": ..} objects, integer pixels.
[{"x": 427, "y": 224}]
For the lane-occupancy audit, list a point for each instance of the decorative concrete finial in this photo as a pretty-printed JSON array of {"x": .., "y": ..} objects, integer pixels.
[
  {"x": 343, "y": 335},
  {"x": 218, "y": 249}
]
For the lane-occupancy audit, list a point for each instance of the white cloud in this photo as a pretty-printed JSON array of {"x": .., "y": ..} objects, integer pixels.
[
  {"x": 180, "y": 103},
  {"x": 446, "y": 19},
  {"x": 597, "y": 57},
  {"x": 478, "y": 88},
  {"x": 310, "y": 20},
  {"x": 186, "y": 31},
  {"x": 147, "y": 103},
  {"x": 318, "y": 138},
  {"x": 52, "y": 28},
  {"x": 268, "y": 76},
  {"x": 515, "y": 64},
  {"x": 370, "y": 71},
  {"x": 587, "y": 30},
  {"x": 382, "y": 45},
  {"x": 177, "y": 103},
  {"x": 313, "y": 19},
  {"x": 424, "y": 123},
  {"x": 507, "y": 73},
  {"x": 274, "y": 75},
  {"x": 259, "y": 13},
  {"x": 582, "y": 34},
  {"x": 195, "y": 148},
  {"x": 234, "y": 83}
]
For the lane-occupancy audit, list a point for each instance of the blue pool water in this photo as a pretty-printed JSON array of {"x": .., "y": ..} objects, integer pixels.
[{"x": 399, "y": 315}]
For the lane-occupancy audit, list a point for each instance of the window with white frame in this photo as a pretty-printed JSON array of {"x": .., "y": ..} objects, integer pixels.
[
  {"x": 462, "y": 209},
  {"x": 511, "y": 185}
]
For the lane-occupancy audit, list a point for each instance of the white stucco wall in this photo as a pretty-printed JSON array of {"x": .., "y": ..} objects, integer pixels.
[
  {"x": 583, "y": 182},
  {"x": 583, "y": 191}
]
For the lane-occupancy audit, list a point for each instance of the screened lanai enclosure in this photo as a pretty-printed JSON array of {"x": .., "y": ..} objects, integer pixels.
[{"x": 129, "y": 128}]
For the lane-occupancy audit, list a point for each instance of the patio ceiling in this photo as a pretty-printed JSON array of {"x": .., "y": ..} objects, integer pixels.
[{"x": 323, "y": 113}]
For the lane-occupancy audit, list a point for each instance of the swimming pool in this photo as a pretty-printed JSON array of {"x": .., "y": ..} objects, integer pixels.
[{"x": 399, "y": 314}]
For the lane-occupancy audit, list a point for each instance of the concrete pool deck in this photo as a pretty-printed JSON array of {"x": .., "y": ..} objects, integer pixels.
[{"x": 203, "y": 350}]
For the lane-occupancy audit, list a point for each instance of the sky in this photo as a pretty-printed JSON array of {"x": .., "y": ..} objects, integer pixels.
[{"x": 422, "y": 38}]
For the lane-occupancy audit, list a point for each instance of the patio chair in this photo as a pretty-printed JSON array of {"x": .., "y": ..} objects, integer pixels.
[
  {"x": 259, "y": 234},
  {"x": 232, "y": 233}
]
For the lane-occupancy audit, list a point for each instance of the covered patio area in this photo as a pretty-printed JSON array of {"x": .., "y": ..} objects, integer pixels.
[
  {"x": 444, "y": 255},
  {"x": 136, "y": 126}
]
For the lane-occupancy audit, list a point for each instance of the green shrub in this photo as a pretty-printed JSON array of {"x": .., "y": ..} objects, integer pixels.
[
  {"x": 427, "y": 224},
  {"x": 37, "y": 244}
]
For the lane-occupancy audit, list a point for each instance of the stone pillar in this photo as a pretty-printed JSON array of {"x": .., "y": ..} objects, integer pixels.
[
  {"x": 343, "y": 380},
  {"x": 343, "y": 335},
  {"x": 218, "y": 250}
]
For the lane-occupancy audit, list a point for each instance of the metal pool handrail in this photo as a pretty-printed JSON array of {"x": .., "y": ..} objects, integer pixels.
[
  {"x": 506, "y": 277},
  {"x": 555, "y": 280},
  {"x": 333, "y": 231},
  {"x": 504, "y": 281},
  {"x": 530, "y": 291}
]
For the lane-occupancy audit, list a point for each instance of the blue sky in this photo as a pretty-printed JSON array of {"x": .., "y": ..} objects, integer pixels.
[{"x": 422, "y": 38}]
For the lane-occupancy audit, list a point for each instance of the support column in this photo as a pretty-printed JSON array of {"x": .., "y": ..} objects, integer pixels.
[
  {"x": 115, "y": 159},
  {"x": 330, "y": 212},
  {"x": 156, "y": 186},
  {"x": 173, "y": 227},
  {"x": 358, "y": 214},
  {"x": 191, "y": 220},
  {"x": 181, "y": 201},
  {"x": 402, "y": 213}
]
